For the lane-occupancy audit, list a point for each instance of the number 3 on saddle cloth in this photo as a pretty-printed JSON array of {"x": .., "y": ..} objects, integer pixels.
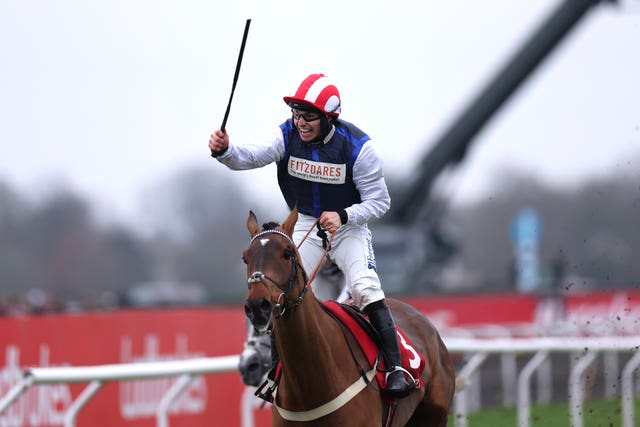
[{"x": 356, "y": 322}]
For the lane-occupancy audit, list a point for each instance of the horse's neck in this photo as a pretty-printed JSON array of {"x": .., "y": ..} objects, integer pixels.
[
  {"x": 308, "y": 338},
  {"x": 302, "y": 322}
]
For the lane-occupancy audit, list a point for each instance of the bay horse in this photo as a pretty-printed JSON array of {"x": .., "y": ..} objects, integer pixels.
[{"x": 320, "y": 363}]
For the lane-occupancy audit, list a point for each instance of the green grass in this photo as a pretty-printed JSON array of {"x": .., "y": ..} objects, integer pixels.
[{"x": 596, "y": 413}]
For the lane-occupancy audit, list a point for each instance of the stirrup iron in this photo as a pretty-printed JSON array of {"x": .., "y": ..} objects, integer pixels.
[{"x": 408, "y": 375}]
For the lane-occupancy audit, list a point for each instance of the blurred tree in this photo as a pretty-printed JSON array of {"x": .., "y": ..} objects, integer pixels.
[
  {"x": 19, "y": 267},
  {"x": 80, "y": 260},
  {"x": 54, "y": 246},
  {"x": 199, "y": 215},
  {"x": 132, "y": 257}
]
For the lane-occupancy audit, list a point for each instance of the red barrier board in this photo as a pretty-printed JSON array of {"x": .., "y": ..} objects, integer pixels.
[
  {"x": 604, "y": 313},
  {"x": 123, "y": 337},
  {"x": 460, "y": 311}
]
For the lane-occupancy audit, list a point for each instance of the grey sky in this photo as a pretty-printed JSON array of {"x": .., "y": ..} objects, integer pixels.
[{"x": 112, "y": 95}]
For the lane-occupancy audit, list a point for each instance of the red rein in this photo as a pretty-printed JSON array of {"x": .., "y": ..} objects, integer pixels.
[{"x": 326, "y": 249}]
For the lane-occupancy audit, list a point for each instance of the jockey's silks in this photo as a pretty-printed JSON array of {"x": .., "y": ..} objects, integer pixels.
[{"x": 319, "y": 177}]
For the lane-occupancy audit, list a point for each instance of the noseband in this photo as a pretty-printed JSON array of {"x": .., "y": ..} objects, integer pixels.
[{"x": 258, "y": 277}]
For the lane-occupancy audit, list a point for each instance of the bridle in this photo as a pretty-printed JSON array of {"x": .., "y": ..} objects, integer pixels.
[{"x": 283, "y": 302}]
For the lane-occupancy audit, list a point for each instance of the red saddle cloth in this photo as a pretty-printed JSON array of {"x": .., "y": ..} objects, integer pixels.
[{"x": 412, "y": 361}]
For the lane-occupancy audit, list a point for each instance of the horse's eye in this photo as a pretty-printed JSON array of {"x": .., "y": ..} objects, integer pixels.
[
  {"x": 244, "y": 259},
  {"x": 288, "y": 254}
]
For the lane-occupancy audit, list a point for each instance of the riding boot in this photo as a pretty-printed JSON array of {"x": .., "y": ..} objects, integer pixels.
[{"x": 380, "y": 317}]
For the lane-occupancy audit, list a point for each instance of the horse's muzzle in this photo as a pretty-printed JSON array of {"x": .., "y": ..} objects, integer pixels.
[{"x": 259, "y": 313}]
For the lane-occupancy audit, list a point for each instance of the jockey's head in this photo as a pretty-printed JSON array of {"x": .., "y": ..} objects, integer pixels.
[{"x": 314, "y": 107}]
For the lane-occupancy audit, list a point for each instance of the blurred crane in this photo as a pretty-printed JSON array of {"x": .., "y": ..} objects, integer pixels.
[{"x": 412, "y": 245}]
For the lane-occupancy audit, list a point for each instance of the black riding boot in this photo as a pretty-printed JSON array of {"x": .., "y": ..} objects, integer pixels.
[{"x": 380, "y": 317}]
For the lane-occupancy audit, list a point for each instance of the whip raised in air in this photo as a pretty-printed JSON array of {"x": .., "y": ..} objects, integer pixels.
[{"x": 235, "y": 77}]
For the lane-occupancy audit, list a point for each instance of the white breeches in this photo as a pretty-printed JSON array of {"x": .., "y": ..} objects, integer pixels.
[{"x": 352, "y": 251}]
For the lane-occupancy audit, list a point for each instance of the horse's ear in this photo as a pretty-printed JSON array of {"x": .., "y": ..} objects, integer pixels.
[
  {"x": 252, "y": 224},
  {"x": 289, "y": 223}
]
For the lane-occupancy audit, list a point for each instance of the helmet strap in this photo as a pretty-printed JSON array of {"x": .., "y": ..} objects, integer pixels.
[
  {"x": 325, "y": 126},
  {"x": 327, "y": 129}
]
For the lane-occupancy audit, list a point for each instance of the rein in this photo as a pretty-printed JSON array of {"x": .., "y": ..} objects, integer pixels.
[
  {"x": 315, "y": 270},
  {"x": 326, "y": 244}
]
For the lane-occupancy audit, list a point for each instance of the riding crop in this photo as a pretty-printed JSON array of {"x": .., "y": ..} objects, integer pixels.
[{"x": 235, "y": 76}]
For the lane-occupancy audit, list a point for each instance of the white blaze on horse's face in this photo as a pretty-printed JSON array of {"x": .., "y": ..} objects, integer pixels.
[{"x": 264, "y": 242}]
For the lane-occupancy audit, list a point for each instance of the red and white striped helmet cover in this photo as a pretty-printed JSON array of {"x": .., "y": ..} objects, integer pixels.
[{"x": 319, "y": 92}]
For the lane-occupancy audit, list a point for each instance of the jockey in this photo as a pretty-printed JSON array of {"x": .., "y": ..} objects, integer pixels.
[{"x": 328, "y": 168}]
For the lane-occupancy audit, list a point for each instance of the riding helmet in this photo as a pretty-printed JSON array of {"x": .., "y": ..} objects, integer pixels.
[{"x": 316, "y": 92}]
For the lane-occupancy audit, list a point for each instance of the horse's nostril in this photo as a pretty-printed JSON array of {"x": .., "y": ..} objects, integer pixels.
[
  {"x": 265, "y": 305},
  {"x": 248, "y": 309}
]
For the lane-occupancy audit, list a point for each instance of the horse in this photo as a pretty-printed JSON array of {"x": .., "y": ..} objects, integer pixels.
[{"x": 323, "y": 381}]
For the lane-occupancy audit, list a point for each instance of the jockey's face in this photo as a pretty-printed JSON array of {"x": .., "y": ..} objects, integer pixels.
[{"x": 308, "y": 124}]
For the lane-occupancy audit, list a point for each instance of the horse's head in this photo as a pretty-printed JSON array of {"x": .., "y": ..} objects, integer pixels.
[{"x": 275, "y": 275}]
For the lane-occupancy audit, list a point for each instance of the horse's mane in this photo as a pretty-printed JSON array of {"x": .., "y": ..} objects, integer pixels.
[{"x": 270, "y": 225}]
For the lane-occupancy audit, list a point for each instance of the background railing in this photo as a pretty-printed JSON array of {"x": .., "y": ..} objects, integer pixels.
[
  {"x": 584, "y": 350},
  {"x": 473, "y": 351}
]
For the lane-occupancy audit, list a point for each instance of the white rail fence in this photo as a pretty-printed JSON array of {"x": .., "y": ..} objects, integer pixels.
[
  {"x": 584, "y": 349},
  {"x": 97, "y": 376},
  {"x": 474, "y": 350}
]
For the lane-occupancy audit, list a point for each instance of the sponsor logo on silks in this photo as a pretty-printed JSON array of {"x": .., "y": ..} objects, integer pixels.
[
  {"x": 371, "y": 258},
  {"x": 326, "y": 173}
]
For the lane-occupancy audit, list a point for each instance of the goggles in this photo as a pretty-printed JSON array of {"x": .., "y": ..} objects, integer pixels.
[{"x": 308, "y": 116}]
